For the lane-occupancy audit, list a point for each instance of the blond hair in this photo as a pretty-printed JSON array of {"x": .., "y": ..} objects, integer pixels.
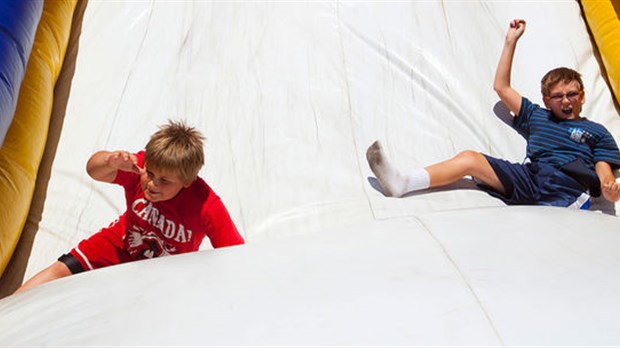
[
  {"x": 176, "y": 147},
  {"x": 556, "y": 75}
]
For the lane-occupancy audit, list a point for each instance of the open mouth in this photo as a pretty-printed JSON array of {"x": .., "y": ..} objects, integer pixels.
[{"x": 567, "y": 111}]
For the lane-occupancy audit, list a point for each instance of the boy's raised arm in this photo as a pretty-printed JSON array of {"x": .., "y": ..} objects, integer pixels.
[
  {"x": 501, "y": 85},
  {"x": 103, "y": 165}
]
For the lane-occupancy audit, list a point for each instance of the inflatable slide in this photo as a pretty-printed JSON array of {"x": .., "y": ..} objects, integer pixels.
[{"x": 289, "y": 96}]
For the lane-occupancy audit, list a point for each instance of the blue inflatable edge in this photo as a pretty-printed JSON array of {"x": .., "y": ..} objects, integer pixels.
[{"x": 18, "y": 25}]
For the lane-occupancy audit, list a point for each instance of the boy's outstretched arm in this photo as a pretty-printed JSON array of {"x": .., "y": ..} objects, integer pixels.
[
  {"x": 501, "y": 85},
  {"x": 609, "y": 187},
  {"x": 103, "y": 165}
]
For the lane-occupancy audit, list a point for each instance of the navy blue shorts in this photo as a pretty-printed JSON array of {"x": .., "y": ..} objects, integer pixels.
[{"x": 533, "y": 183}]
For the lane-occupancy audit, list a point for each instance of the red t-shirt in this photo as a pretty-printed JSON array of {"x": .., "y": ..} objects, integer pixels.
[{"x": 177, "y": 225}]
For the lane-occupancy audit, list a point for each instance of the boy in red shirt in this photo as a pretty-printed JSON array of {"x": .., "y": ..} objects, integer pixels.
[{"x": 169, "y": 208}]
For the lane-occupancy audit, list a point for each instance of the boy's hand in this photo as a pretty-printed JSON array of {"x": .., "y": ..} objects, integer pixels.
[
  {"x": 123, "y": 160},
  {"x": 609, "y": 187},
  {"x": 611, "y": 191},
  {"x": 517, "y": 28}
]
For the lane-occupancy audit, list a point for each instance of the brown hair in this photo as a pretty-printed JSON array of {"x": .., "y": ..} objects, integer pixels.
[
  {"x": 176, "y": 147},
  {"x": 556, "y": 75}
]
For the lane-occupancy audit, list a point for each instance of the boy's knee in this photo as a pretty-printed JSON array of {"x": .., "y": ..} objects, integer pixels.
[
  {"x": 473, "y": 163},
  {"x": 472, "y": 158}
]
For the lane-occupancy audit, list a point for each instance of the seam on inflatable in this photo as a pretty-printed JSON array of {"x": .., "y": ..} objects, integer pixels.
[
  {"x": 464, "y": 279},
  {"x": 356, "y": 147}
]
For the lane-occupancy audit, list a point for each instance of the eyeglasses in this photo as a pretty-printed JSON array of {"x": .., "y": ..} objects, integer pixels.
[{"x": 572, "y": 96}]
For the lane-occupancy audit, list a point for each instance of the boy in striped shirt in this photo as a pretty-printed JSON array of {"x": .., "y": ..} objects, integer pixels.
[{"x": 569, "y": 157}]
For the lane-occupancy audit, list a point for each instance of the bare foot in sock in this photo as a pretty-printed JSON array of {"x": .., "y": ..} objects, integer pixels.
[{"x": 393, "y": 183}]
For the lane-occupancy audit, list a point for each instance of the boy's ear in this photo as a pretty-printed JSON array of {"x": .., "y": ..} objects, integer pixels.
[
  {"x": 546, "y": 100},
  {"x": 189, "y": 183}
]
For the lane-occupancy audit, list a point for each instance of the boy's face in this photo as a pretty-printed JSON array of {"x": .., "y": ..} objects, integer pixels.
[
  {"x": 160, "y": 185},
  {"x": 565, "y": 100}
]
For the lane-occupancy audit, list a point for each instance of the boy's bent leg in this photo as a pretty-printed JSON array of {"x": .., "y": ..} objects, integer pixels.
[
  {"x": 396, "y": 184},
  {"x": 465, "y": 163},
  {"x": 56, "y": 271}
]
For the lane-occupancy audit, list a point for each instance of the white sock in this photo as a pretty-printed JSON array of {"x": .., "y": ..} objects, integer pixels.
[
  {"x": 418, "y": 179},
  {"x": 392, "y": 181}
]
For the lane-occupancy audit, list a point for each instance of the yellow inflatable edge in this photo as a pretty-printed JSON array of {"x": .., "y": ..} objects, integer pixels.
[
  {"x": 603, "y": 20},
  {"x": 22, "y": 151}
]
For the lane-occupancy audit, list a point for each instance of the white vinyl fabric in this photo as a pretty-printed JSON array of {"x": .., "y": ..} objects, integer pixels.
[{"x": 289, "y": 96}]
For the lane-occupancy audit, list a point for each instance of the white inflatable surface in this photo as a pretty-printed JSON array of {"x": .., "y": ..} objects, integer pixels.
[{"x": 290, "y": 95}]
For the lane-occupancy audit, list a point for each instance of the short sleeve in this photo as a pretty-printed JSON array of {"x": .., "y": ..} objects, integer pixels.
[
  {"x": 606, "y": 150},
  {"x": 521, "y": 123},
  {"x": 221, "y": 230}
]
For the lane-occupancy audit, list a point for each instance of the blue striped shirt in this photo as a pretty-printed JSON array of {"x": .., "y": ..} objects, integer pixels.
[{"x": 557, "y": 142}]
